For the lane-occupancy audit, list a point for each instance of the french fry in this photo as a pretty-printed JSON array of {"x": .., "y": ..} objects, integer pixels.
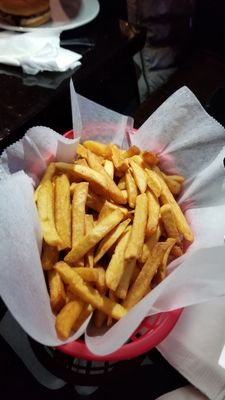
[
  {"x": 109, "y": 168},
  {"x": 141, "y": 286},
  {"x": 97, "y": 234},
  {"x": 56, "y": 291},
  {"x": 150, "y": 158},
  {"x": 85, "y": 312},
  {"x": 176, "y": 251},
  {"x": 161, "y": 272},
  {"x": 140, "y": 176},
  {"x": 126, "y": 278},
  {"x": 122, "y": 183},
  {"x": 88, "y": 293},
  {"x": 49, "y": 173},
  {"x": 131, "y": 189},
  {"x": 118, "y": 160},
  {"x": 149, "y": 244},
  {"x": 81, "y": 161},
  {"x": 49, "y": 256},
  {"x": 125, "y": 194},
  {"x": 67, "y": 317},
  {"x": 138, "y": 160},
  {"x": 100, "y": 149},
  {"x": 169, "y": 222},
  {"x": 78, "y": 214},
  {"x": 116, "y": 265},
  {"x": 109, "y": 240},
  {"x": 89, "y": 225},
  {"x": 81, "y": 151},
  {"x": 153, "y": 182},
  {"x": 93, "y": 275},
  {"x": 45, "y": 206},
  {"x": 172, "y": 183},
  {"x": 153, "y": 214},
  {"x": 113, "y": 297},
  {"x": 135, "y": 245},
  {"x": 63, "y": 211},
  {"x": 132, "y": 151},
  {"x": 95, "y": 202}
]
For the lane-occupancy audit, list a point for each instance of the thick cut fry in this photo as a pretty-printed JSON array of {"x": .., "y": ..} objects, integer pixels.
[
  {"x": 113, "y": 297},
  {"x": 63, "y": 211},
  {"x": 161, "y": 272},
  {"x": 89, "y": 225},
  {"x": 173, "y": 184},
  {"x": 45, "y": 206},
  {"x": 81, "y": 151},
  {"x": 153, "y": 214},
  {"x": 47, "y": 176},
  {"x": 109, "y": 240},
  {"x": 108, "y": 208},
  {"x": 56, "y": 291},
  {"x": 78, "y": 211},
  {"x": 131, "y": 189},
  {"x": 81, "y": 161},
  {"x": 140, "y": 176},
  {"x": 86, "y": 311},
  {"x": 66, "y": 319},
  {"x": 89, "y": 294},
  {"x": 117, "y": 263},
  {"x": 100, "y": 149},
  {"x": 118, "y": 160},
  {"x": 95, "y": 202},
  {"x": 176, "y": 251},
  {"x": 182, "y": 224},
  {"x": 132, "y": 151},
  {"x": 94, "y": 275},
  {"x": 49, "y": 257},
  {"x": 125, "y": 195},
  {"x": 109, "y": 167},
  {"x": 97, "y": 234},
  {"x": 135, "y": 245},
  {"x": 141, "y": 286},
  {"x": 177, "y": 178},
  {"x": 113, "y": 192},
  {"x": 138, "y": 160},
  {"x": 149, "y": 244},
  {"x": 169, "y": 222},
  {"x": 122, "y": 183},
  {"x": 150, "y": 158},
  {"x": 153, "y": 182},
  {"x": 126, "y": 278}
]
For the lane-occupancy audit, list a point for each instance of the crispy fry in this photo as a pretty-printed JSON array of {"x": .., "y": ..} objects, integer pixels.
[
  {"x": 113, "y": 297},
  {"x": 161, "y": 272},
  {"x": 89, "y": 294},
  {"x": 49, "y": 257},
  {"x": 45, "y": 206},
  {"x": 126, "y": 278},
  {"x": 94, "y": 275},
  {"x": 132, "y": 151},
  {"x": 140, "y": 176},
  {"x": 47, "y": 176},
  {"x": 138, "y": 160},
  {"x": 91, "y": 239},
  {"x": 131, "y": 189},
  {"x": 141, "y": 286},
  {"x": 56, "y": 291},
  {"x": 100, "y": 149},
  {"x": 153, "y": 182},
  {"x": 176, "y": 251},
  {"x": 153, "y": 214},
  {"x": 173, "y": 184},
  {"x": 135, "y": 245},
  {"x": 169, "y": 222},
  {"x": 149, "y": 244},
  {"x": 81, "y": 161},
  {"x": 67, "y": 317},
  {"x": 108, "y": 208},
  {"x": 81, "y": 151},
  {"x": 85, "y": 312},
  {"x": 118, "y": 160},
  {"x": 109, "y": 167},
  {"x": 109, "y": 240},
  {"x": 78, "y": 214},
  {"x": 63, "y": 211},
  {"x": 122, "y": 183},
  {"x": 89, "y": 225},
  {"x": 150, "y": 158},
  {"x": 116, "y": 265},
  {"x": 125, "y": 194}
]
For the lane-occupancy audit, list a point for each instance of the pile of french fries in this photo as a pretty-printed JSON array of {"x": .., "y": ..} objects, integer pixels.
[{"x": 110, "y": 222}]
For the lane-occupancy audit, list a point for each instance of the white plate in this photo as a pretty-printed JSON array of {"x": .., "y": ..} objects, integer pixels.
[{"x": 89, "y": 10}]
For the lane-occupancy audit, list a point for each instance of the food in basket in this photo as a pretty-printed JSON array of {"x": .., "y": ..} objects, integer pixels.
[
  {"x": 25, "y": 13},
  {"x": 110, "y": 222}
]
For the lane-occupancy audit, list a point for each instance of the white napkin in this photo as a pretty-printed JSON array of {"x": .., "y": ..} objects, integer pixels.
[
  {"x": 36, "y": 51},
  {"x": 188, "y": 392},
  {"x": 194, "y": 345}
]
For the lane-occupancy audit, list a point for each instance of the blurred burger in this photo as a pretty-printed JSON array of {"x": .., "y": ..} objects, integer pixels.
[{"x": 26, "y": 13}]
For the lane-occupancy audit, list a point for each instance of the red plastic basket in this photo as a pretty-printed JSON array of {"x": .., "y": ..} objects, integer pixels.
[{"x": 149, "y": 334}]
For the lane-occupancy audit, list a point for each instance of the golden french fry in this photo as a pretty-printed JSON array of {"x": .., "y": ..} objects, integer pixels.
[
  {"x": 153, "y": 214},
  {"x": 97, "y": 234},
  {"x": 153, "y": 182},
  {"x": 78, "y": 214},
  {"x": 150, "y": 158},
  {"x": 113, "y": 192},
  {"x": 116, "y": 265},
  {"x": 56, "y": 291},
  {"x": 88, "y": 293},
  {"x": 169, "y": 222},
  {"x": 118, "y": 160},
  {"x": 49, "y": 173},
  {"x": 109, "y": 167},
  {"x": 125, "y": 194},
  {"x": 85, "y": 312},
  {"x": 95, "y": 202},
  {"x": 141, "y": 286},
  {"x": 173, "y": 184},
  {"x": 177, "y": 178},
  {"x": 63, "y": 211},
  {"x": 67, "y": 317},
  {"x": 131, "y": 189},
  {"x": 135, "y": 245},
  {"x": 94, "y": 275},
  {"x": 149, "y": 244},
  {"x": 45, "y": 206},
  {"x": 122, "y": 183},
  {"x": 81, "y": 161},
  {"x": 161, "y": 272},
  {"x": 140, "y": 176},
  {"x": 81, "y": 151},
  {"x": 100, "y": 149},
  {"x": 109, "y": 240},
  {"x": 89, "y": 225},
  {"x": 138, "y": 160},
  {"x": 181, "y": 222},
  {"x": 126, "y": 278},
  {"x": 49, "y": 256},
  {"x": 113, "y": 297},
  {"x": 176, "y": 251},
  {"x": 132, "y": 151}
]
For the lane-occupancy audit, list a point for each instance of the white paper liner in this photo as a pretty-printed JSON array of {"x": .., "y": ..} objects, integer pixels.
[{"x": 188, "y": 141}]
